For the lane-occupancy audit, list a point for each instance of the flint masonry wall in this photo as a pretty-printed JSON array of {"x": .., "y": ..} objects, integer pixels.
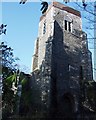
[
  {"x": 69, "y": 54},
  {"x": 63, "y": 60}
]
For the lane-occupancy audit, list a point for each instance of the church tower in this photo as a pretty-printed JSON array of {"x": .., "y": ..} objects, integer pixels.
[{"x": 61, "y": 60}]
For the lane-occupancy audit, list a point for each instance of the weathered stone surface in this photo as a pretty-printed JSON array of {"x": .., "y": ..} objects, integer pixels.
[{"x": 64, "y": 61}]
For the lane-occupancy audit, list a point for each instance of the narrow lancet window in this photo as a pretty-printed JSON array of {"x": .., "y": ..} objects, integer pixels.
[
  {"x": 69, "y": 25},
  {"x": 65, "y": 24},
  {"x": 44, "y": 28}
]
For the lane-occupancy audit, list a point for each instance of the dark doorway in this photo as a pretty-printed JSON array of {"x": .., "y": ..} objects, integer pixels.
[{"x": 67, "y": 106}]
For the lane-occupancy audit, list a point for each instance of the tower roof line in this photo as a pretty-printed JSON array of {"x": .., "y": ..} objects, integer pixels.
[{"x": 62, "y": 7}]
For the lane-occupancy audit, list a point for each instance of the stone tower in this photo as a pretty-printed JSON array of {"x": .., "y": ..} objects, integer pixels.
[{"x": 61, "y": 60}]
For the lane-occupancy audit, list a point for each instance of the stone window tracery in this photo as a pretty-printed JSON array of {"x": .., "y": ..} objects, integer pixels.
[{"x": 68, "y": 26}]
